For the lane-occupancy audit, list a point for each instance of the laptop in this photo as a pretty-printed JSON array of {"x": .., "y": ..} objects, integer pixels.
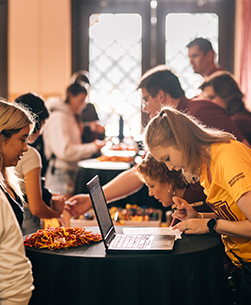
[{"x": 115, "y": 242}]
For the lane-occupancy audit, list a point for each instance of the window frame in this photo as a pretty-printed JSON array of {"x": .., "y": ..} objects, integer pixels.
[
  {"x": 225, "y": 9},
  {"x": 82, "y": 10}
]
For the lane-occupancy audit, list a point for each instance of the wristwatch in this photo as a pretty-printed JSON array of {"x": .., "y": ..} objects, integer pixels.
[{"x": 212, "y": 224}]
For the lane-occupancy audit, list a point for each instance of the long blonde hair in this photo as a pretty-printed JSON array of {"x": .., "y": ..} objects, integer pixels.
[
  {"x": 183, "y": 132},
  {"x": 14, "y": 117}
]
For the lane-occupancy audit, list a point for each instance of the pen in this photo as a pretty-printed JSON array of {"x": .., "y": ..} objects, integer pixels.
[
  {"x": 195, "y": 204},
  {"x": 116, "y": 218}
]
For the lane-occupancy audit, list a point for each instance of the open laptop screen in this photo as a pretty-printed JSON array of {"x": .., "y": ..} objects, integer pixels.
[
  {"x": 100, "y": 206},
  {"x": 127, "y": 242}
]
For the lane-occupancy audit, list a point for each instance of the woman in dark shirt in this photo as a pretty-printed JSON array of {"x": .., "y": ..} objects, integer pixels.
[
  {"x": 222, "y": 89},
  {"x": 164, "y": 184}
]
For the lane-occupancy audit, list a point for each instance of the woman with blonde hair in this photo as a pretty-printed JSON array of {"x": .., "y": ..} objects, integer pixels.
[
  {"x": 15, "y": 269},
  {"x": 223, "y": 166}
]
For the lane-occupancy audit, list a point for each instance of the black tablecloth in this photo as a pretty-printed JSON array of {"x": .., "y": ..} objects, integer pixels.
[{"x": 192, "y": 273}]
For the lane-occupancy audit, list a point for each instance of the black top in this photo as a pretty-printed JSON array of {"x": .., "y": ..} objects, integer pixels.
[
  {"x": 89, "y": 113},
  {"x": 243, "y": 121},
  {"x": 16, "y": 205}
]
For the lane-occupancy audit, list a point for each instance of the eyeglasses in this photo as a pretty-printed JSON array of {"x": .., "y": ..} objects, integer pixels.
[{"x": 145, "y": 99}]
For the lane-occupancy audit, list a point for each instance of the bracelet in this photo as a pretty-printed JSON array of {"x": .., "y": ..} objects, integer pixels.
[{"x": 201, "y": 215}]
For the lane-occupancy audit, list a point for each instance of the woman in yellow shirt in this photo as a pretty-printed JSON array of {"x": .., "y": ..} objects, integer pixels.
[{"x": 223, "y": 166}]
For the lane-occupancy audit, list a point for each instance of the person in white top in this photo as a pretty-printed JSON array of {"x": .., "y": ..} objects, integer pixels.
[
  {"x": 41, "y": 203},
  {"x": 16, "y": 281},
  {"x": 62, "y": 141},
  {"x": 89, "y": 120}
]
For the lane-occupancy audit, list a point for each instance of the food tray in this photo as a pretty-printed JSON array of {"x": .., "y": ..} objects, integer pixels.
[{"x": 93, "y": 222}]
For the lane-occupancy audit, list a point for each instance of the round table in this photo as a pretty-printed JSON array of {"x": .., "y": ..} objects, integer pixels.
[
  {"x": 89, "y": 168},
  {"x": 192, "y": 273}
]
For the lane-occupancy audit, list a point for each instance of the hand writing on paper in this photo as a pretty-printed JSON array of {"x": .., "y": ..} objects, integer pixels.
[{"x": 182, "y": 210}]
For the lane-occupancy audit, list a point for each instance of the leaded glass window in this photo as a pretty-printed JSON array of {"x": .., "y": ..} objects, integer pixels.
[
  {"x": 115, "y": 70},
  {"x": 180, "y": 30}
]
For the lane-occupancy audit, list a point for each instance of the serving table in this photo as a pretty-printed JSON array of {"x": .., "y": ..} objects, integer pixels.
[
  {"x": 87, "y": 169},
  {"x": 192, "y": 273}
]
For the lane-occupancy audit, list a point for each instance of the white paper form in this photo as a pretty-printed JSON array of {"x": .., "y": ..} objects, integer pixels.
[{"x": 153, "y": 231}]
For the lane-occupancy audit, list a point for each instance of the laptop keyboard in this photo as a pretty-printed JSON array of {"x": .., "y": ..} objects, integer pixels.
[{"x": 131, "y": 241}]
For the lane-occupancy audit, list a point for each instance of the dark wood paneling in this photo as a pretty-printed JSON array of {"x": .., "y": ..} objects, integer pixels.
[{"x": 3, "y": 49}]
